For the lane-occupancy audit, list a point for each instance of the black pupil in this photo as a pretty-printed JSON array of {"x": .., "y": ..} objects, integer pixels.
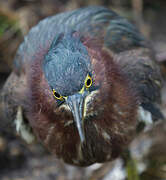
[
  {"x": 57, "y": 95},
  {"x": 88, "y": 82}
]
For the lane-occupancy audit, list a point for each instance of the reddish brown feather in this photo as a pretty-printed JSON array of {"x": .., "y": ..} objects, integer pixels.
[{"x": 48, "y": 121}]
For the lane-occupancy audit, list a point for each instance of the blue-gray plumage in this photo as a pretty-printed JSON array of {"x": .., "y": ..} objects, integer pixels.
[
  {"x": 83, "y": 80},
  {"x": 66, "y": 64}
]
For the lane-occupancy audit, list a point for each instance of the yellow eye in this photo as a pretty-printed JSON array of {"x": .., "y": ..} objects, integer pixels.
[
  {"x": 88, "y": 82},
  {"x": 57, "y": 95}
]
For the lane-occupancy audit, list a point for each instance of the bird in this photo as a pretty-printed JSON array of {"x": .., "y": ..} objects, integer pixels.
[{"x": 82, "y": 83}]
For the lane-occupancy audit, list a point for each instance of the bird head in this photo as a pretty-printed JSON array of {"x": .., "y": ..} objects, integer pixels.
[{"x": 82, "y": 106}]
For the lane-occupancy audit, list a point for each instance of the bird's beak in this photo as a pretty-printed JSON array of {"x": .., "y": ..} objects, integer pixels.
[{"x": 76, "y": 105}]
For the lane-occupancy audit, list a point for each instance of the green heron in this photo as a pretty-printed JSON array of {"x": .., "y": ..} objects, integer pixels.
[{"x": 82, "y": 81}]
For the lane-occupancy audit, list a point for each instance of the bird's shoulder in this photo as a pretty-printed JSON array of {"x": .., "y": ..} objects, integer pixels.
[{"x": 142, "y": 70}]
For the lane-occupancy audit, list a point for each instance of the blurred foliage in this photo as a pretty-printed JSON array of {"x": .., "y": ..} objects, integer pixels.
[
  {"x": 10, "y": 37},
  {"x": 6, "y": 24},
  {"x": 131, "y": 169}
]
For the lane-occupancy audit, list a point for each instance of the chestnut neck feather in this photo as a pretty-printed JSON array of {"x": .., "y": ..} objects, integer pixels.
[{"x": 115, "y": 99}]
